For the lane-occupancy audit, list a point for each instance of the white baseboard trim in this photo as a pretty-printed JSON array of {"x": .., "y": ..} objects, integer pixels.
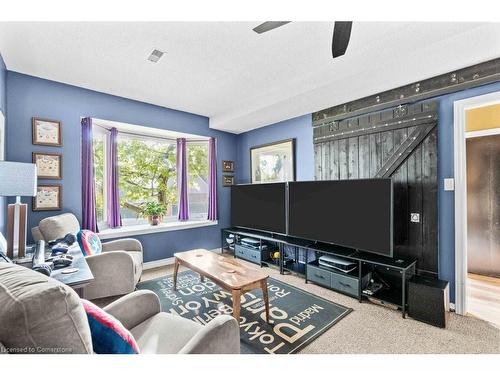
[
  {"x": 158, "y": 263},
  {"x": 165, "y": 262}
]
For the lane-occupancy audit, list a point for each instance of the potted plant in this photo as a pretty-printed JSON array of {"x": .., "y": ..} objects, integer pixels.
[{"x": 154, "y": 211}]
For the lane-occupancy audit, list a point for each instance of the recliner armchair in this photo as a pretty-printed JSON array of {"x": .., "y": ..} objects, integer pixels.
[
  {"x": 42, "y": 315},
  {"x": 116, "y": 270}
]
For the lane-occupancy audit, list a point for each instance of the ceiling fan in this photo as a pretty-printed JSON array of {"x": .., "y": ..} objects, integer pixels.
[{"x": 340, "y": 40}]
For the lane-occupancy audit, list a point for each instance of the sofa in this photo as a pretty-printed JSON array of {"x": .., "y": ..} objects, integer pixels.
[
  {"x": 116, "y": 270},
  {"x": 42, "y": 315}
]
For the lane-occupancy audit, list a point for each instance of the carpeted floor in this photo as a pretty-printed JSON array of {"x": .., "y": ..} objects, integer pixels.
[
  {"x": 308, "y": 313},
  {"x": 376, "y": 329}
]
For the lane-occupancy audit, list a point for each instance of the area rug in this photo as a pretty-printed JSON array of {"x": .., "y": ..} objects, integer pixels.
[{"x": 296, "y": 317}]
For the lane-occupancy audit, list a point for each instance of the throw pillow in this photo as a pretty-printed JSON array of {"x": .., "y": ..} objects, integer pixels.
[
  {"x": 109, "y": 336},
  {"x": 90, "y": 243}
]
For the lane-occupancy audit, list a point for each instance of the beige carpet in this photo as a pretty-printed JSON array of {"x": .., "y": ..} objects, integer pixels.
[{"x": 376, "y": 329}]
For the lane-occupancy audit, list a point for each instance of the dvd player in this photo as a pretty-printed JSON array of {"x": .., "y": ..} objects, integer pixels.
[
  {"x": 251, "y": 242},
  {"x": 339, "y": 264}
]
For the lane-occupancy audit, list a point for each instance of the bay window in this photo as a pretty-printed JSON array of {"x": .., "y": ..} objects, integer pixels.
[{"x": 147, "y": 173}]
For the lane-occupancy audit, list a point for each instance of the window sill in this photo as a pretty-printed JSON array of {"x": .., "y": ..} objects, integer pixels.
[{"x": 136, "y": 230}]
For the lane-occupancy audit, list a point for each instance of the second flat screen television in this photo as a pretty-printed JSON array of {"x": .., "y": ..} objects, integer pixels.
[
  {"x": 259, "y": 206},
  {"x": 351, "y": 213}
]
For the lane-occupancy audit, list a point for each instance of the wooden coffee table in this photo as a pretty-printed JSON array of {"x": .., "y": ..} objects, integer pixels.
[{"x": 227, "y": 273}]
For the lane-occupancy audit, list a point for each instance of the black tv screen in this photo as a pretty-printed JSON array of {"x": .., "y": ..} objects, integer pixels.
[
  {"x": 259, "y": 206},
  {"x": 350, "y": 213}
]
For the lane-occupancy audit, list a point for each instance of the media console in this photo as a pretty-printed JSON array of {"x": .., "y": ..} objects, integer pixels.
[{"x": 391, "y": 275}]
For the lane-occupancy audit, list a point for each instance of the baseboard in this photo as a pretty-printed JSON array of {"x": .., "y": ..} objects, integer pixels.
[
  {"x": 158, "y": 263},
  {"x": 164, "y": 262}
]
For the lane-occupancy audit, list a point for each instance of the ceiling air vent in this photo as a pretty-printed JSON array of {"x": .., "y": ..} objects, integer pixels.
[{"x": 155, "y": 55}]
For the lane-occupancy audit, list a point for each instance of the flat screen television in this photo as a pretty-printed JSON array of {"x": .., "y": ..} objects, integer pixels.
[
  {"x": 351, "y": 213},
  {"x": 259, "y": 206}
]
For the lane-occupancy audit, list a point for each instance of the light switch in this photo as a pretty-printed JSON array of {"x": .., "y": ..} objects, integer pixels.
[{"x": 449, "y": 184}]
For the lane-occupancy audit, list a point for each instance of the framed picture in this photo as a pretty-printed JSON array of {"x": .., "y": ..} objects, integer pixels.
[
  {"x": 227, "y": 166},
  {"x": 46, "y": 132},
  {"x": 228, "y": 180},
  {"x": 273, "y": 162},
  {"x": 48, "y": 198},
  {"x": 48, "y": 166}
]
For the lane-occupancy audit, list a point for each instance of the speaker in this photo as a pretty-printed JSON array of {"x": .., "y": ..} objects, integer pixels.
[{"x": 429, "y": 300}]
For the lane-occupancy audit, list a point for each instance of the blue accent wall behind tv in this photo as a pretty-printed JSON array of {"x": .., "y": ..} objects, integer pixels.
[{"x": 29, "y": 97}]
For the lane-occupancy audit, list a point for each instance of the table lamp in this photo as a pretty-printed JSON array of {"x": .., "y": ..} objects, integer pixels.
[{"x": 17, "y": 180}]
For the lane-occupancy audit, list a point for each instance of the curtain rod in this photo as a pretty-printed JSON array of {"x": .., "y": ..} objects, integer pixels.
[{"x": 149, "y": 136}]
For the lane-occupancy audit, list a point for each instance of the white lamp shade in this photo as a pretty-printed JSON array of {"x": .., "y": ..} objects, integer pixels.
[{"x": 17, "y": 179}]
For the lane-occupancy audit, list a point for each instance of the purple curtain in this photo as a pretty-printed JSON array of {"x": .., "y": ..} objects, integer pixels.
[
  {"x": 182, "y": 183},
  {"x": 113, "y": 194},
  {"x": 89, "y": 217},
  {"x": 212, "y": 179}
]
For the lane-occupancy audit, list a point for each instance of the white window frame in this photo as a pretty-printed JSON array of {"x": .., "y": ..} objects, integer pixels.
[
  {"x": 105, "y": 135},
  {"x": 141, "y": 220},
  {"x": 204, "y": 215},
  {"x": 140, "y": 225}
]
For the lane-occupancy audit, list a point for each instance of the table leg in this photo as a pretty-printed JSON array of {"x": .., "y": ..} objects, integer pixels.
[
  {"x": 80, "y": 291},
  {"x": 280, "y": 247},
  {"x": 307, "y": 262},
  {"x": 236, "y": 304},
  {"x": 222, "y": 242},
  {"x": 263, "y": 285},
  {"x": 403, "y": 304},
  {"x": 176, "y": 269}
]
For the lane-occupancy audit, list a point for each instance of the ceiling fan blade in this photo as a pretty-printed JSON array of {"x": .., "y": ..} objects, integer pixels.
[
  {"x": 341, "y": 35},
  {"x": 269, "y": 25}
]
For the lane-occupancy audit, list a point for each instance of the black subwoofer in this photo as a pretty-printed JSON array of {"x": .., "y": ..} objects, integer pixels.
[{"x": 428, "y": 300}]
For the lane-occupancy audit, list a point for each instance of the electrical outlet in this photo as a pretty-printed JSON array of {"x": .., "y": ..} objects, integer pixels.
[
  {"x": 415, "y": 217},
  {"x": 449, "y": 184}
]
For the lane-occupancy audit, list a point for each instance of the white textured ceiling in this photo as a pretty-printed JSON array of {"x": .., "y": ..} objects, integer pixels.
[{"x": 240, "y": 79}]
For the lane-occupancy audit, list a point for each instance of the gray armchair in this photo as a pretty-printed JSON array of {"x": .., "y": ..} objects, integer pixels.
[
  {"x": 42, "y": 315},
  {"x": 116, "y": 270}
]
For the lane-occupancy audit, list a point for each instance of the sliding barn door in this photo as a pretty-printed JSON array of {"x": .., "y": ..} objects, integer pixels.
[{"x": 399, "y": 143}]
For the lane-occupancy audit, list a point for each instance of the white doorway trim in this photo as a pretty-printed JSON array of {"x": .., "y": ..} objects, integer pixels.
[{"x": 460, "y": 135}]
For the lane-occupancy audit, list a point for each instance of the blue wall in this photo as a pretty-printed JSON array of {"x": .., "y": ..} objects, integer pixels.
[
  {"x": 3, "y": 109},
  {"x": 29, "y": 97},
  {"x": 299, "y": 128}
]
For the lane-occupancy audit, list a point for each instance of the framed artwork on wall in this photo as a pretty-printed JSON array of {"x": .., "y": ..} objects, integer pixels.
[
  {"x": 228, "y": 180},
  {"x": 48, "y": 198},
  {"x": 48, "y": 165},
  {"x": 273, "y": 162},
  {"x": 227, "y": 166},
  {"x": 46, "y": 132}
]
